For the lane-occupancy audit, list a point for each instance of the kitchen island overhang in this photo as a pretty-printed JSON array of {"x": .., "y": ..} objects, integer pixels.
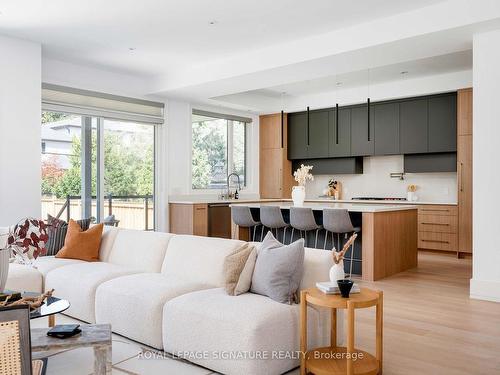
[{"x": 387, "y": 243}]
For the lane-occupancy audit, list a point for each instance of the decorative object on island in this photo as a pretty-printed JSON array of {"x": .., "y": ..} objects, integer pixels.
[
  {"x": 32, "y": 302},
  {"x": 333, "y": 189},
  {"x": 337, "y": 270},
  {"x": 301, "y": 175},
  {"x": 411, "y": 196},
  {"x": 27, "y": 240}
]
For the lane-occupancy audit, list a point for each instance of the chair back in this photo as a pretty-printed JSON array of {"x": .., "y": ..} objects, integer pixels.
[
  {"x": 242, "y": 216},
  {"x": 337, "y": 221},
  {"x": 271, "y": 217},
  {"x": 15, "y": 340},
  {"x": 302, "y": 218}
]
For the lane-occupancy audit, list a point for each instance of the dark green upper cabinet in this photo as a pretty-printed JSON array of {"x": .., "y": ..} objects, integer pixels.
[
  {"x": 362, "y": 143},
  {"x": 297, "y": 135},
  {"x": 340, "y": 133},
  {"x": 443, "y": 123},
  {"x": 413, "y": 121},
  {"x": 318, "y": 134},
  {"x": 386, "y": 128}
]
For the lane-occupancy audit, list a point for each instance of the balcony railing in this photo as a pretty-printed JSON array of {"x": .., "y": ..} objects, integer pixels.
[{"x": 109, "y": 200}]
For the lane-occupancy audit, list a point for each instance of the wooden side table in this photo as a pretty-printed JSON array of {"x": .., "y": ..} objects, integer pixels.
[{"x": 334, "y": 359}]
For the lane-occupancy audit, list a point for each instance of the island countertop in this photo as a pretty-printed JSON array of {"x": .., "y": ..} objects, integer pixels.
[{"x": 319, "y": 206}]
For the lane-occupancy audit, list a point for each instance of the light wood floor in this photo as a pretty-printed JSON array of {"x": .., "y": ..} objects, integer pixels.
[{"x": 431, "y": 326}]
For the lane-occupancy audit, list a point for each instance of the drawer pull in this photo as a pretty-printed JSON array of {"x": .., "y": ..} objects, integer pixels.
[
  {"x": 443, "y": 224},
  {"x": 201, "y": 208},
  {"x": 435, "y": 209},
  {"x": 437, "y": 241}
]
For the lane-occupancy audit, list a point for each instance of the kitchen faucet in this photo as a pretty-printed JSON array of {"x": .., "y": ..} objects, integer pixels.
[{"x": 239, "y": 185}]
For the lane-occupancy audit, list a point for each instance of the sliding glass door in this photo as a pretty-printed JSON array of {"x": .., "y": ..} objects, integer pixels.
[{"x": 98, "y": 167}]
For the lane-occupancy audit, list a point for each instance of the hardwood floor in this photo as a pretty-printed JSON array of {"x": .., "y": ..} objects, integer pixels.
[{"x": 431, "y": 326}]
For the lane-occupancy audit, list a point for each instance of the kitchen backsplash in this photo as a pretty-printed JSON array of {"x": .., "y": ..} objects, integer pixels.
[{"x": 375, "y": 182}]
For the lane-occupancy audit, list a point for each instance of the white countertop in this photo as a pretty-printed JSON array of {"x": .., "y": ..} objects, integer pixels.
[
  {"x": 194, "y": 200},
  {"x": 352, "y": 207}
]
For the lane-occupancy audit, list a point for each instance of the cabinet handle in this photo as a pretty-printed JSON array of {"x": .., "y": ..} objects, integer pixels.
[
  {"x": 437, "y": 241},
  {"x": 282, "y": 115},
  {"x": 461, "y": 177},
  {"x": 368, "y": 102},
  {"x": 336, "y": 124},
  {"x": 442, "y": 224},
  {"x": 308, "y": 126},
  {"x": 435, "y": 209},
  {"x": 200, "y": 208}
]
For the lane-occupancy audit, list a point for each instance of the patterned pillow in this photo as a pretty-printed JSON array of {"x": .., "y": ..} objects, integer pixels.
[{"x": 57, "y": 230}]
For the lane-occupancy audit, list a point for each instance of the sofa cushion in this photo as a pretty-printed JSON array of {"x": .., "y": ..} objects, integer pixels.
[
  {"x": 210, "y": 321},
  {"x": 23, "y": 278},
  {"x": 199, "y": 258},
  {"x": 133, "y": 304},
  {"x": 78, "y": 283},
  {"x": 107, "y": 241},
  {"x": 46, "y": 264},
  {"x": 141, "y": 250}
]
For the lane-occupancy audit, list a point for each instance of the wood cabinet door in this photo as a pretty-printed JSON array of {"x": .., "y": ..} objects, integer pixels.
[
  {"x": 386, "y": 128},
  {"x": 270, "y": 131},
  {"x": 340, "y": 133},
  {"x": 362, "y": 143},
  {"x": 271, "y": 173},
  {"x": 297, "y": 136},
  {"x": 442, "y": 123},
  {"x": 413, "y": 126},
  {"x": 464, "y": 161},
  {"x": 464, "y": 112},
  {"x": 318, "y": 134}
]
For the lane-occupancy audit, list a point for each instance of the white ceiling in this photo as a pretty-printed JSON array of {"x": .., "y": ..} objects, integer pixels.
[{"x": 167, "y": 34}]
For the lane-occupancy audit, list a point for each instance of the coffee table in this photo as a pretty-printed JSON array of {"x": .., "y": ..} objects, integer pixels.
[
  {"x": 51, "y": 306},
  {"x": 97, "y": 336}
]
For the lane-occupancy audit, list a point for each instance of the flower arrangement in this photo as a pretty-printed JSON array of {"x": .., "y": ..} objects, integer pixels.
[
  {"x": 303, "y": 174},
  {"x": 27, "y": 240},
  {"x": 411, "y": 188}
]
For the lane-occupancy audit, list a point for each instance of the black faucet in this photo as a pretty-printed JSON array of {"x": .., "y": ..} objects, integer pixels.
[{"x": 239, "y": 185}]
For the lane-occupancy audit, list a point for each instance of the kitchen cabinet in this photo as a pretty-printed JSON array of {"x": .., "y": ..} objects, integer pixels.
[
  {"x": 340, "y": 133},
  {"x": 386, "y": 128},
  {"x": 275, "y": 170},
  {"x": 318, "y": 137},
  {"x": 442, "y": 123},
  {"x": 464, "y": 166},
  {"x": 362, "y": 143},
  {"x": 413, "y": 126},
  {"x": 297, "y": 135},
  {"x": 438, "y": 227},
  {"x": 188, "y": 219}
]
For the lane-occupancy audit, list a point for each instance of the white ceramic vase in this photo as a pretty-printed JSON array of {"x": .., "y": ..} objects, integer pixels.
[
  {"x": 337, "y": 272},
  {"x": 4, "y": 267},
  {"x": 411, "y": 196},
  {"x": 298, "y": 195}
]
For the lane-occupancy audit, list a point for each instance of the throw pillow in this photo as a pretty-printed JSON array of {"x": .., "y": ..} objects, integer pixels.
[
  {"x": 238, "y": 269},
  {"x": 278, "y": 269},
  {"x": 83, "y": 245},
  {"x": 57, "y": 230}
]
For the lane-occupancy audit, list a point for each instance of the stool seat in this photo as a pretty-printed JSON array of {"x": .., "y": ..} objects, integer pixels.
[
  {"x": 242, "y": 216},
  {"x": 272, "y": 218},
  {"x": 302, "y": 219}
]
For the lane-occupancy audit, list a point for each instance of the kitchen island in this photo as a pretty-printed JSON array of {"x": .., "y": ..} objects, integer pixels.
[{"x": 387, "y": 243}]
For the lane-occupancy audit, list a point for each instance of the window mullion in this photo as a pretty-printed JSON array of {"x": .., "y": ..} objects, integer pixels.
[{"x": 230, "y": 147}]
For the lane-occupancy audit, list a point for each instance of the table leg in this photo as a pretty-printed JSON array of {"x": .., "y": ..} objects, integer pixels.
[
  {"x": 52, "y": 320},
  {"x": 350, "y": 337},
  {"x": 379, "y": 330},
  {"x": 333, "y": 329},
  {"x": 102, "y": 360},
  {"x": 303, "y": 332}
]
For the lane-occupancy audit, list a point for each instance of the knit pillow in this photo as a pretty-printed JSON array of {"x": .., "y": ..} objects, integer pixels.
[{"x": 238, "y": 269}]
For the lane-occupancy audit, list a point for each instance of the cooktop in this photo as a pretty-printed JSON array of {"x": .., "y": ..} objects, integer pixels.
[{"x": 378, "y": 199}]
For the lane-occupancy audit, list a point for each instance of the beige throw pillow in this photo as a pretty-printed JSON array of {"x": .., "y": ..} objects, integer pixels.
[{"x": 238, "y": 269}]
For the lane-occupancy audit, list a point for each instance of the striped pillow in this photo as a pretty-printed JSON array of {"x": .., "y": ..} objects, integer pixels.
[{"x": 57, "y": 233}]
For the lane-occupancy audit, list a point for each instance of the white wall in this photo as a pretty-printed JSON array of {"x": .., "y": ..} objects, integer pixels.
[
  {"x": 485, "y": 283},
  {"x": 20, "y": 165},
  {"x": 375, "y": 181}
]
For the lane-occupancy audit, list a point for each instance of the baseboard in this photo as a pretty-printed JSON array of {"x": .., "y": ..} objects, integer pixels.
[{"x": 485, "y": 290}]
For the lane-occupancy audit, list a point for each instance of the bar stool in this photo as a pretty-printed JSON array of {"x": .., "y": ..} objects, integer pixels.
[
  {"x": 302, "y": 219},
  {"x": 338, "y": 221},
  {"x": 242, "y": 216},
  {"x": 272, "y": 218}
]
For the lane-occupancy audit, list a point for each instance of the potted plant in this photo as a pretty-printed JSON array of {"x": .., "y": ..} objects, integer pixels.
[
  {"x": 337, "y": 270},
  {"x": 301, "y": 175},
  {"x": 411, "y": 196}
]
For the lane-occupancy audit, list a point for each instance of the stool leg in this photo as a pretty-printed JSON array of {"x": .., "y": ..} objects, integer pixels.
[
  {"x": 253, "y": 237},
  {"x": 261, "y": 233},
  {"x": 284, "y": 234},
  {"x": 305, "y": 238},
  {"x": 352, "y": 257},
  {"x": 316, "y": 241},
  {"x": 291, "y": 238},
  {"x": 326, "y": 236}
]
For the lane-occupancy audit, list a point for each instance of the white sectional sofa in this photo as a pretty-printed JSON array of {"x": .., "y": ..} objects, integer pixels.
[{"x": 166, "y": 291}]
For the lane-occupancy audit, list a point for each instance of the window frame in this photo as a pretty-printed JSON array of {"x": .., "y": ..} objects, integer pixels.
[{"x": 245, "y": 186}]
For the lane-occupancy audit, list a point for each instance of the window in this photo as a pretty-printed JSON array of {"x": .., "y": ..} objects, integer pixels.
[
  {"x": 121, "y": 185},
  {"x": 219, "y": 149}
]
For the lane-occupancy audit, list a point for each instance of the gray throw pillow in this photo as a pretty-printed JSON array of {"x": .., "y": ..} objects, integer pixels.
[{"x": 278, "y": 269}]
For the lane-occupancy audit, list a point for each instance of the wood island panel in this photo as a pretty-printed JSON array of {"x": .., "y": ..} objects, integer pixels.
[{"x": 389, "y": 243}]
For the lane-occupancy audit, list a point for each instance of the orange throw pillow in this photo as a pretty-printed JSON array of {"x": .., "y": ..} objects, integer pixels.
[{"x": 81, "y": 245}]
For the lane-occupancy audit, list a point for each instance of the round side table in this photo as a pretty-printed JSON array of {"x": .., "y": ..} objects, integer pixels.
[{"x": 334, "y": 359}]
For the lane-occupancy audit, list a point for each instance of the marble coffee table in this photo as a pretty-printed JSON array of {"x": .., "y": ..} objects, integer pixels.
[{"x": 97, "y": 336}]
